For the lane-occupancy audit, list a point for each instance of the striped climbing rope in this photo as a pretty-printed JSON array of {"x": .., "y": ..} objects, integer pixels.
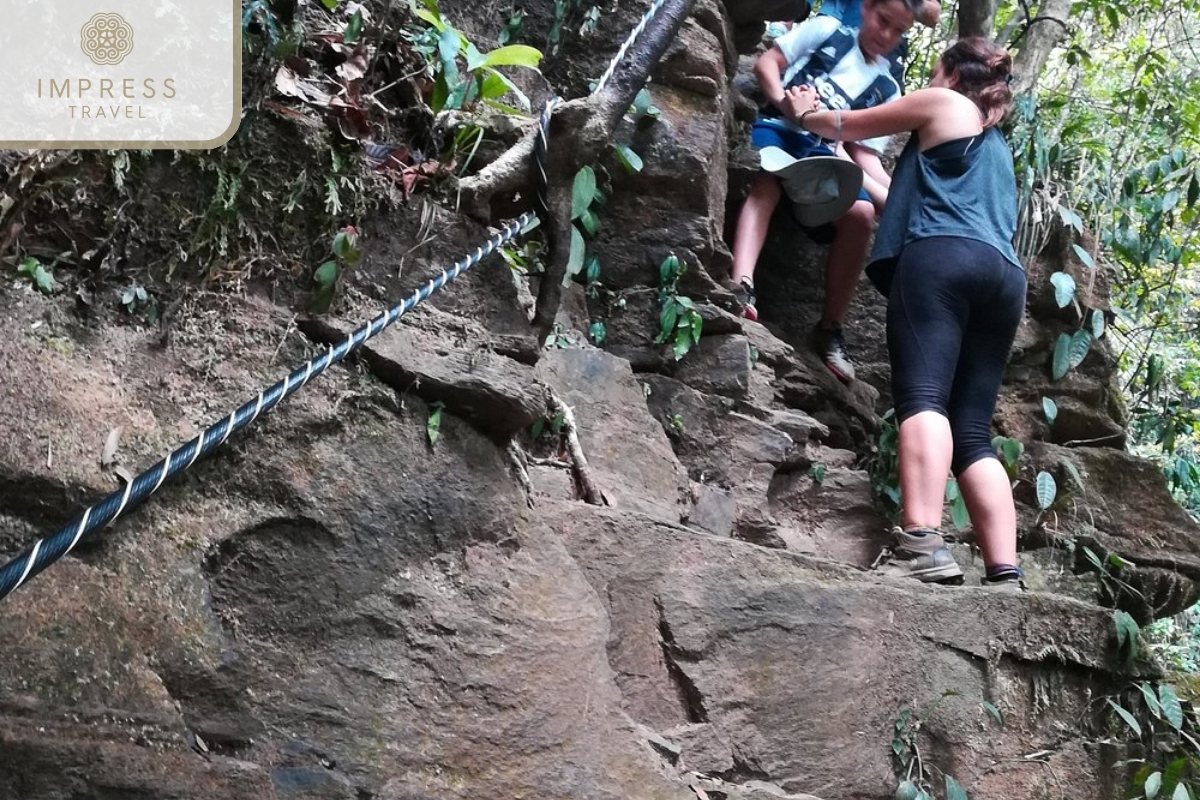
[{"x": 44, "y": 552}]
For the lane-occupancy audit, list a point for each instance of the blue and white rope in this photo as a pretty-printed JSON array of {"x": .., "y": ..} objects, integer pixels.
[
  {"x": 634, "y": 34},
  {"x": 45, "y": 552}
]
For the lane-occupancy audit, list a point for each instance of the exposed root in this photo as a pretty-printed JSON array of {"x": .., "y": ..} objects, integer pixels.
[{"x": 589, "y": 492}]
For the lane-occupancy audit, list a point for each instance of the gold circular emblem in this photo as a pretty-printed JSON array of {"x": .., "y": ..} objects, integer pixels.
[{"x": 107, "y": 38}]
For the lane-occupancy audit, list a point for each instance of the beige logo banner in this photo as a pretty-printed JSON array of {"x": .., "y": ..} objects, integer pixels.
[{"x": 120, "y": 73}]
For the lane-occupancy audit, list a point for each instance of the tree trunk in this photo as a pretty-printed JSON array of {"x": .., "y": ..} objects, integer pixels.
[
  {"x": 1042, "y": 34},
  {"x": 976, "y": 18}
]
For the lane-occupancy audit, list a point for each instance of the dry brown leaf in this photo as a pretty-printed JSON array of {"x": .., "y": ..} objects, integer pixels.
[{"x": 109, "y": 454}]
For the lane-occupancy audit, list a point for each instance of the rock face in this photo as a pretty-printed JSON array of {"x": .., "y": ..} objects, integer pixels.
[{"x": 347, "y": 603}]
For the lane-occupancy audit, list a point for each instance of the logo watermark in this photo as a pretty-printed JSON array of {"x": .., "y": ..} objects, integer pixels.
[
  {"x": 119, "y": 73},
  {"x": 107, "y": 38}
]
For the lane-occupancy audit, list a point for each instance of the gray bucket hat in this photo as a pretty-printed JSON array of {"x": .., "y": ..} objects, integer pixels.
[{"x": 821, "y": 187}]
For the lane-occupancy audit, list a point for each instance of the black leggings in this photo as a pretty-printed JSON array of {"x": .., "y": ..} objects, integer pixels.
[{"x": 953, "y": 312}]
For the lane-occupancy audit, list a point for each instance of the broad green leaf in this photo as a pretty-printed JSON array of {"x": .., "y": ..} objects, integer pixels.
[
  {"x": 43, "y": 279},
  {"x": 353, "y": 28},
  {"x": 448, "y": 46},
  {"x": 666, "y": 320},
  {"x": 1047, "y": 490},
  {"x": 959, "y": 514},
  {"x": 1069, "y": 217},
  {"x": 1127, "y": 628},
  {"x": 1081, "y": 342},
  {"x": 1084, "y": 256},
  {"x": 434, "y": 423},
  {"x": 583, "y": 191},
  {"x": 1153, "y": 785},
  {"x": 475, "y": 59},
  {"x": 513, "y": 55},
  {"x": 522, "y": 98},
  {"x": 590, "y": 222},
  {"x": 1050, "y": 409},
  {"x": 1172, "y": 710},
  {"x": 1193, "y": 192},
  {"x": 683, "y": 342},
  {"x": 326, "y": 274},
  {"x": 492, "y": 86},
  {"x": 669, "y": 269},
  {"x": 953, "y": 790},
  {"x": 991, "y": 709},
  {"x": 697, "y": 327},
  {"x": 907, "y": 790},
  {"x": 1125, "y": 715},
  {"x": 1170, "y": 200},
  {"x": 1062, "y": 357},
  {"x": 330, "y": 4},
  {"x": 1181, "y": 792},
  {"x": 575, "y": 256},
  {"x": 431, "y": 18},
  {"x": 1064, "y": 288},
  {"x": 1150, "y": 697},
  {"x": 592, "y": 268},
  {"x": 630, "y": 160},
  {"x": 1097, "y": 323},
  {"x": 952, "y": 492},
  {"x": 597, "y": 332}
]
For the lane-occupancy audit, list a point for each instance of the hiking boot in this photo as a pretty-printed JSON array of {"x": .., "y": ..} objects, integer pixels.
[
  {"x": 1010, "y": 586},
  {"x": 743, "y": 293},
  {"x": 925, "y": 558},
  {"x": 830, "y": 345}
]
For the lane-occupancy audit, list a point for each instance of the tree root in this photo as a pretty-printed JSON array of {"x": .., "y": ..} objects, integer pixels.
[{"x": 589, "y": 492}]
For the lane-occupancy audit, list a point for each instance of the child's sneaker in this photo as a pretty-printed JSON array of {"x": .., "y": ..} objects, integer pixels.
[
  {"x": 743, "y": 292},
  {"x": 830, "y": 345}
]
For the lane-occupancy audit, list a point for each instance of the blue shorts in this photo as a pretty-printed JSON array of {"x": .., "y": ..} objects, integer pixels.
[{"x": 797, "y": 144}]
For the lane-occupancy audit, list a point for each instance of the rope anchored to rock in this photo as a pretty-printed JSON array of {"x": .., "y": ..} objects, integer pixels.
[{"x": 41, "y": 554}]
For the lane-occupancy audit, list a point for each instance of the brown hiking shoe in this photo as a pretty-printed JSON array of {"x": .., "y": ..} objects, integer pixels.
[{"x": 925, "y": 558}]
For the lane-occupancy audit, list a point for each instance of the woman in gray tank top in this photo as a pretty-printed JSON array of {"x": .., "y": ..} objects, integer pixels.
[{"x": 944, "y": 257}]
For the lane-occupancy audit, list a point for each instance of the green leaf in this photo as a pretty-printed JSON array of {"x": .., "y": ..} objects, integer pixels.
[
  {"x": 43, "y": 279},
  {"x": 475, "y": 59},
  {"x": 953, "y": 790},
  {"x": 1150, "y": 697},
  {"x": 1125, "y": 715},
  {"x": 353, "y": 27},
  {"x": 1097, "y": 323},
  {"x": 697, "y": 327},
  {"x": 817, "y": 473},
  {"x": 1069, "y": 217},
  {"x": 959, "y": 514},
  {"x": 1047, "y": 490},
  {"x": 434, "y": 423},
  {"x": 630, "y": 160},
  {"x": 592, "y": 269},
  {"x": 513, "y": 55},
  {"x": 1064, "y": 288},
  {"x": 1050, "y": 409},
  {"x": 1081, "y": 342},
  {"x": 326, "y": 274},
  {"x": 907, "y": 790},
  {"x": 575, "y": 256},
  {"x": 583, "y": 191},
  {"x": 952, "y": 491},
  {"x": 1062, "y": 357},
  {"x": 490, "y": 81},
  {"x": 683, "y": 342},
  {"x": 590, "y": 222},
  {"x": 666, "y": 320},
  {"x": 1193, "y": 191},
  {"x": 668, "y": 270},
  {"x": 991, "y": 709},
  {"x": 1181, "y": 792},
  {"x": 1172, "y": 710},
  {"x": 1084, "y": 256},
  {"x": 597, "y": 332},
  {"x": 1127, "y": 628},
  {"x": 330, "y": 4},
  {"x": 448, "y": 45},
  {"x": 1153, "y": 785}
]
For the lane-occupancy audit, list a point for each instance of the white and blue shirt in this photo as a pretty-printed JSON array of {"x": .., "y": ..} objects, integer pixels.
[{"x": 824, "y": 54}]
